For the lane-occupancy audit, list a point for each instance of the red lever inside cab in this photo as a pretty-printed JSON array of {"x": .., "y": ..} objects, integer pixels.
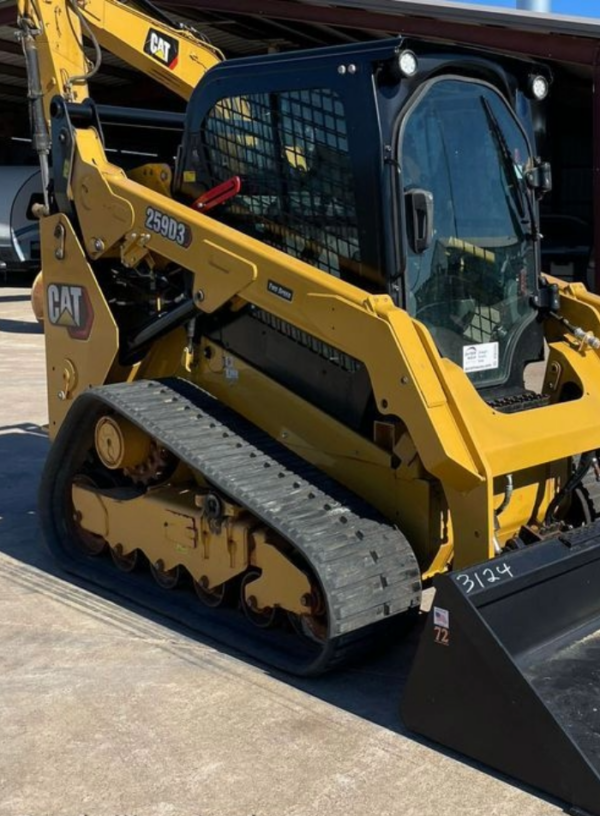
[{"x": 218, "y": 195}]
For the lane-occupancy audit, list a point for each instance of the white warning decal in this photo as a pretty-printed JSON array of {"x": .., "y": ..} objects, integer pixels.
[
  {"x": 231, "y": 372},
  {"x": 481, "y": 357},
  {"x": 441, "y": 617}
]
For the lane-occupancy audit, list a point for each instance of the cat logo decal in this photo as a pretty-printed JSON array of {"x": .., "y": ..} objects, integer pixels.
[
  {"x": 162, "y": 48},
  {"x": 70, "y": 307}
]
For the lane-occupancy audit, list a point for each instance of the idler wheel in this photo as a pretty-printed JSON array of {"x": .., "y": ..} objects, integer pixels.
[{"x": 311, "y": 627}]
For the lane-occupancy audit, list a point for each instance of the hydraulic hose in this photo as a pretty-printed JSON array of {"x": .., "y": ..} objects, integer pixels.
[
  {"x": 39, "y": 129},
  {"x": 181, "y": 314},
  {"x": 572, "y": 484},
  {"x": 586, "y": 338},
  {"x": 505, "y": 502},
  {"x": 79, "y": 80},
  {"x": 507, "y": 494}
]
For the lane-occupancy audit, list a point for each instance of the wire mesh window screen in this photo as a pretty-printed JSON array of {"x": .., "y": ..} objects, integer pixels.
[{"x": 291, "y": 151}]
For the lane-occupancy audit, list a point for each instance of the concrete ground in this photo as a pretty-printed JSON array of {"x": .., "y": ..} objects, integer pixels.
[{"x": 106, "y": 710}]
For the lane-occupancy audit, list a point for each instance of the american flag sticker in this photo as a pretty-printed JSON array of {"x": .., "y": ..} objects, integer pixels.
[{"x": 441, "y": 617}]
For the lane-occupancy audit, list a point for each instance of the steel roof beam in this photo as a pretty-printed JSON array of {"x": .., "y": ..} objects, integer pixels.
[
  {"x": 579, "y": 50},
  {"x": 8, "y": 15},
  {"x": 13, "y": 47}
]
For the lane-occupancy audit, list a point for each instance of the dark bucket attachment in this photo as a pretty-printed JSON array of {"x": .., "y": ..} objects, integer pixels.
[{"x": 508, "y": 668}]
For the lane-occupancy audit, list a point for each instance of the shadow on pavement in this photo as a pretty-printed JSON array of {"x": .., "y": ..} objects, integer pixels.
[
  {"x": 19, "y": 279},
  {"x": 20, "y": 326},
  {"x": 23, "y": 450},
  {"x": 14, "y": 298},
  {"x": 371, "y": 690}
]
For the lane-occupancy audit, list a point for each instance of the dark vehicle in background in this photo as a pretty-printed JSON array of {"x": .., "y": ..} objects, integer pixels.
[{"x": 19, "y": 229}]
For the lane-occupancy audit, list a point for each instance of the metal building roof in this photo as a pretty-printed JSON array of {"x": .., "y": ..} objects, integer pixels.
[{"x": 245, "y": 27}]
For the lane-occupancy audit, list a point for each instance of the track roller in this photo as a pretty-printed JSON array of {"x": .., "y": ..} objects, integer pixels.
[
  {"x": 166, "y": 579},
  {"x": 264, "y": 618},
  {"x": 126, "y": 562}
]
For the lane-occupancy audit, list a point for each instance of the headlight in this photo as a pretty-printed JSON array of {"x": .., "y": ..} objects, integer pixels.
[
  {"x": 538, "y": 87},
  {"x": 408, "y": 63}
]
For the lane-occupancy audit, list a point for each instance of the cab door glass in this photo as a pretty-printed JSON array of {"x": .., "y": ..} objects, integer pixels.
[{"x": 472, "y": 285}]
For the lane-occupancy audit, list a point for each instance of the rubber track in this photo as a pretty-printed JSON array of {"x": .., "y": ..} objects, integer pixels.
[{"x": 366, "y": 568}]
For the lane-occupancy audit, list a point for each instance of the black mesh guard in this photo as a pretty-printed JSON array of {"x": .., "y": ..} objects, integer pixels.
[{"x": 291, "y": 152}]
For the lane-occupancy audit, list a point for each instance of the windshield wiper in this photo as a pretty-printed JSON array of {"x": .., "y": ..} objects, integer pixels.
[{"x": 526, "y": 211}]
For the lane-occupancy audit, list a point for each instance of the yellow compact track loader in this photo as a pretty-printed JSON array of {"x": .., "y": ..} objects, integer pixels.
[{"x": 294, "y": 368}]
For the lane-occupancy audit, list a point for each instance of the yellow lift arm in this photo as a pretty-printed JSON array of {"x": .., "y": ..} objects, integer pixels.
[{"x": 176, "y": 58}]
